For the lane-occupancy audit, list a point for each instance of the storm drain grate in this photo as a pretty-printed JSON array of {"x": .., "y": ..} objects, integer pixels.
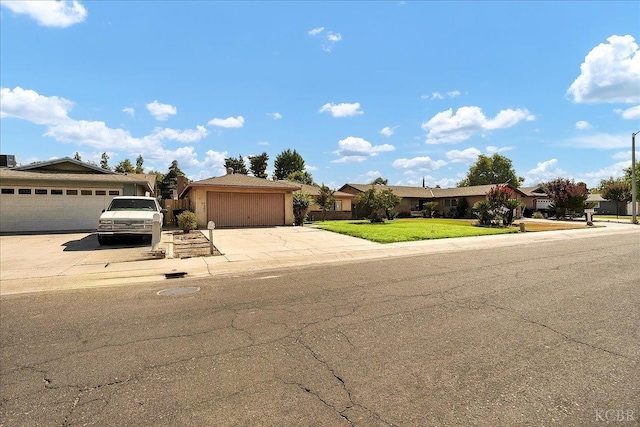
[{"x": 175, "y": 292}]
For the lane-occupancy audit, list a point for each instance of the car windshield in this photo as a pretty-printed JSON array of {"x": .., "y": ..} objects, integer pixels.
[{"x": 132, "y": 205}]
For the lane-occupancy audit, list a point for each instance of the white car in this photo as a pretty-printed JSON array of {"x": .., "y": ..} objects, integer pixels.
[{"x": 128, "y": 216}]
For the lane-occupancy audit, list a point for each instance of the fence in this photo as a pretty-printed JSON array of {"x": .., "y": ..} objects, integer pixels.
[{"x": 173, "y": 208}]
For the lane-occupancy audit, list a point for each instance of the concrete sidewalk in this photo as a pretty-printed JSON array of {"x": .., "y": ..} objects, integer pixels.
[{"x": 250, "y": 250}]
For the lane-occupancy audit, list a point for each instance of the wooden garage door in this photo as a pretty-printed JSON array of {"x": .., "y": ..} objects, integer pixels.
[{"x": 245, "y": 209}]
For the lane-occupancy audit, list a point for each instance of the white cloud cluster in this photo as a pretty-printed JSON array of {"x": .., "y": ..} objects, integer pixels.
[
  {"x": 632, "y": 113},
  {"x": 544, "y": 171},
  {"x": 490, "y": 149},
  {"x": 609, "y": 73},
  {"x": 275, "y": 115},
  {"x": 468, "y": 155},
  {"x": 600, "y": 140},
  {"x": 355, "y": 149},
  {"x": 229, "y": 122},
  {"x": 49, "y": 13},
  {"x": 161, "y": 111},
  {"x": 129, "y": 110},
  {"x": 423, "y": 163},
  {"x": 329, "y": 38},
  {"x": 52, "y": 112},
  {"x": 447, "y": 127},
  {"x": 438, "y": 95},
  {"x": 341, "y": 110}
]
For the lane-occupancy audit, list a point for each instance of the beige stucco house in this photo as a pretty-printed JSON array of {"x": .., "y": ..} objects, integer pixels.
[
  {"x": 341, "y": 208},
  {"x": 237, "y": 200}
]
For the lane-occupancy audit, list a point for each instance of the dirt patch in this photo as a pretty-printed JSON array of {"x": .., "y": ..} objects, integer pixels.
[
  {"x": 543, "y": 226},
  {"x": 192, "y": 244}
]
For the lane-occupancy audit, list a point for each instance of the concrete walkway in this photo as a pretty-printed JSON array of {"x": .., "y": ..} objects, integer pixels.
[{"x": 35, "y": 263}]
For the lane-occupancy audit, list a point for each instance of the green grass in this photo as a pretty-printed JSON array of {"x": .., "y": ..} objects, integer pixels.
[
  {"x": 621, "y": 217},
  {"x": 407, "y": 230}
]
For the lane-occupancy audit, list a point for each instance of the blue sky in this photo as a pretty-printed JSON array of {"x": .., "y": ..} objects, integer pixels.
[{"x": 405, "y": 90}]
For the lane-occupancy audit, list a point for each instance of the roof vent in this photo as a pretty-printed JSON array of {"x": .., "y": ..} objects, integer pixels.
[
  {"x": 229, "y": 171},
  {"x": 7, "y": 161}
]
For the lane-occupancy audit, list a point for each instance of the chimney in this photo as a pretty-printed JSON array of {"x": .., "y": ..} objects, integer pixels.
[
  {"x": 180, "y": 185},
  {"x": 229, "y": 171}
]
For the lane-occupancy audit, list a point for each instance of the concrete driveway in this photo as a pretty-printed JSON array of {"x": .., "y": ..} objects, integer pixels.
[{"x": 43, "y": 255}]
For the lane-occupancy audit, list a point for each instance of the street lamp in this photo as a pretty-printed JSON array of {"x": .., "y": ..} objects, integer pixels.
[{"x": 634, "y": 202}]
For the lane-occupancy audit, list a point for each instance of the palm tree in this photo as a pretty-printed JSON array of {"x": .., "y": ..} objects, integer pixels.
[{"x": 512, "y": 205}]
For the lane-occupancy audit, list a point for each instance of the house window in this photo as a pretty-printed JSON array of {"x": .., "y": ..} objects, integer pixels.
[
  {"x": 56, "y": 192},
  {"x": 24, "y": 191},
  {"x": 72, "y": 192},
  {"x": 8, "y": 191},
  {"x": 41, "y": 191},
  {"x": 337, "y": 205},
  {"x": 449, "y": 203},
  {"x": 101, "y": 193},
  {"x": 114, "y": 192},
  {"x": 86, "y": 192}
]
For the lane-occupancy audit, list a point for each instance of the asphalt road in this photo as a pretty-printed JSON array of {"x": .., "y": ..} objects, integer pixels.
[{"x": 545, "y": 334}]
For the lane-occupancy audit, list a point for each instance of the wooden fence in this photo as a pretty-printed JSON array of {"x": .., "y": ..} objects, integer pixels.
[{"x": 171, "y": 206}]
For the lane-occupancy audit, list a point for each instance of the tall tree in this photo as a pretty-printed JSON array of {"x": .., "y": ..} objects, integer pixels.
[
  {"x": 237, "y": 164},
  {"x": 125, "y": 166},
  {"x": 77, "y": 157},
  {"x": 104, "y": 161},
  {"x": 496, "y": 169},
  {"x": 616, "y": 190},
  {"x": 303, "y": 177},
  {"x": 139, "y": 162},
  {"x": 286, "y": 163},
  {"x": 567, "y": 195},
  {"x": 627, "y": 178},
  {"x": 379, "y": 181},
  {"x": 325, "y": 199},
  {"x": 258, "y": 165},
  {"x": 170, "y": 180}
]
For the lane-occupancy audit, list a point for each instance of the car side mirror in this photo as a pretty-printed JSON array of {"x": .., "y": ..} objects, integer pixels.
[{"x": 164, "y": 211}]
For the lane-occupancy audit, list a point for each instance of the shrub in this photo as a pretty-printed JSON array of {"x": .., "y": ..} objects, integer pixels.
[
  {"x": 538, "y": 215},
  {"x": 428, "y": 209},
  {"x": 403, "y": 214},
  {"x": 482, "y": 210},
  {"x": 187, "y": 221},
  {"x": 462, "y": 207},
  {"x": 301, "y": 203}
]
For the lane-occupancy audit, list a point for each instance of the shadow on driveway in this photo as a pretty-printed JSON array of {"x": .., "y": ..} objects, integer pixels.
[{"x": 90, "y": 243}]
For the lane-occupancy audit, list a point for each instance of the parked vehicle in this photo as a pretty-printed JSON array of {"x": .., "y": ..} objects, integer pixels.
[{"x": 128, "y": 216}]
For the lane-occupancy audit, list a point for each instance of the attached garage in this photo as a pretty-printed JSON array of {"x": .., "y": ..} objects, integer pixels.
[
  {"x": 60, "y": 195},
  {"x": 236, "y": 200}
]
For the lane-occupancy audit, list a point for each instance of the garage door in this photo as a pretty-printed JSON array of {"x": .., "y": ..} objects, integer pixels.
[
  {"x": 245, "y": 209},
  {"x": 45, "y": 209}
]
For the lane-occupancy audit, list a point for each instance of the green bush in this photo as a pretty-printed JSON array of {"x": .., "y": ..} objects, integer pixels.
[
  {"x": 187, "y": 221},
  {"x": 301, "y": 204}
]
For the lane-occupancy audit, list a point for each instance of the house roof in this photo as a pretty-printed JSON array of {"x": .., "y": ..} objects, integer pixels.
[
  {"x": 242, "y": 181},
  {"x": 596, "y": 197},
  {"x": 536, "y": 191},
  {"x": 398, "y": 190},
  {"x": 13, "y": 174},
  {"x": 430, "y": 193},
  {"x": 64, "y": 165},
  {"x": 314, "y": 190}
]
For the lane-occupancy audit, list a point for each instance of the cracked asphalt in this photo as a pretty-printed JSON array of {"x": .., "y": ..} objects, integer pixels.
[{"x": 538, "y": 335}]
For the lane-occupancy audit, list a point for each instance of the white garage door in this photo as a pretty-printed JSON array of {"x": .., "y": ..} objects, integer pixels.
[
  {"x": 52, "y": 209},
  {"x": 245, "y": 209}
]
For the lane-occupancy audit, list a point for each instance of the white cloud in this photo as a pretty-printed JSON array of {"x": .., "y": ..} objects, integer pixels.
[
  {"x": 468, "y": 155},
  {"x": 129, "y": 110},
  {"x": 387, "y": 131},
  {"x": 334, "y": 37},
  {"x": 423, "y": 163},
  {"x": 600, "y": 140},
  {"x": 447, "y": 127},
  {"x": 355, "y": 149},
  {"x": 438, "y": 95},
  {"x": 625, "y": 155},
  {"x": 310, "y": 168},
  {"x": 583, "y": 125},
  {"x": 229, "y": 122},
  {"x": 342, "y": 110},
  {"x": 160, "y": 111},
  {"x": 265, "y": 143},
  {"x": 372, "y": 175},
  {"x": 29, "y": 105},
  {"x": 592, "y": 179},
  {"x": 275, "y": 116},
  {"x": 48, "y": 13},
  {"x": 315, "y": 31},
  {"x": 187, "y": 135},
  {"x": 609, "y": 73},
  {"x": 632, "y": 113},
  {"x": 492, "y": 149},
  {"x": 544, "y": 171},
  {"x": 453, "y": 93}
]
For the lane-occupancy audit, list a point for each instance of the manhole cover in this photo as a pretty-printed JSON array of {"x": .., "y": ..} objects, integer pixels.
[{"x": 174, "y": 292}]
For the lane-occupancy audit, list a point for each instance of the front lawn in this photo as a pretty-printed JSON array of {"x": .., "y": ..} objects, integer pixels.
[{"x": 407, "y": 230}]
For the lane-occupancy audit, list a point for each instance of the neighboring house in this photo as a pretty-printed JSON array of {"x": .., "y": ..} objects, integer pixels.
[
  {"x": 535, "y": 199},
  {"x": 62, "y": 195},
  {"x": 237, "y": 200},
  {"x": 341, "y": 208},
  {"x": 604, "y": 206},
  {"x": 413, "y": 198}
]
